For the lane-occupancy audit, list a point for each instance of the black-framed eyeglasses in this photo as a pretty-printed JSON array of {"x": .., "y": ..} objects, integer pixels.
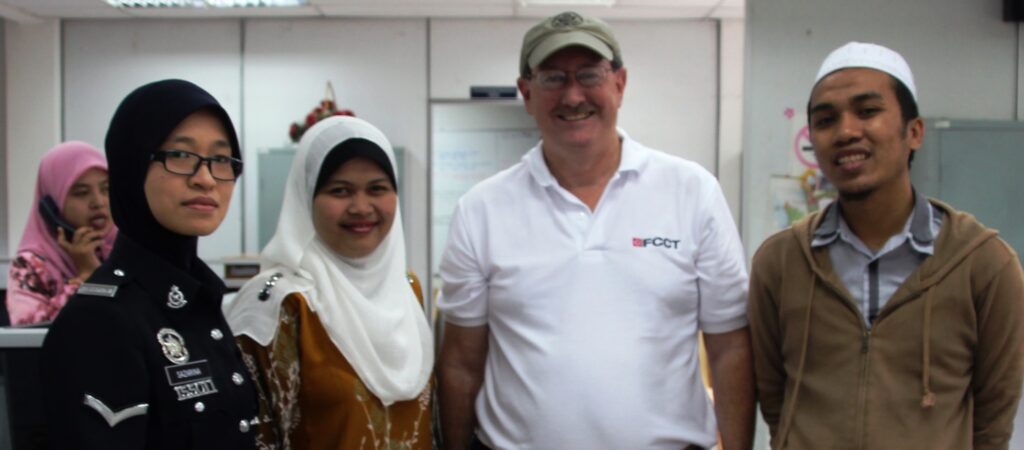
[
  {"x": 181, "y": 162},
  {"x": 556, "y": 79}
]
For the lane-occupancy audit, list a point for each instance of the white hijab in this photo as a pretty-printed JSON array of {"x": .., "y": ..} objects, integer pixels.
[{"x": 365, "y": 304}]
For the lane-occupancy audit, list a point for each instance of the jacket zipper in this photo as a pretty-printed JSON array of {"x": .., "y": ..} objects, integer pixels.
[
  {"x": 862, "y": 390},
  {"x": 865, "y": 348}
]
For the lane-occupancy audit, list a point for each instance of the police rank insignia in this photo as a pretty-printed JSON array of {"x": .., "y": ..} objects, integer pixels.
[
  {"x": 173, "y": 345},
  {"x": 113, "y": 418},
  {"x": 175, "y": 299}
]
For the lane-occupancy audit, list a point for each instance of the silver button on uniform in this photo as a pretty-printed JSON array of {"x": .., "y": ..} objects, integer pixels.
[
  {"x": 237, "y": 378},
  {"x": 243, "y": 426},
  {"x": 200, "y": 407},
  {"x": 216, "y": 334},
  {"x": 119, "y": 272}
]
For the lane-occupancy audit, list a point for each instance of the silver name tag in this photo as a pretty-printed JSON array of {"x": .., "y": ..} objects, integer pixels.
[
  {"x": 196, "y": 389},
  {"x": 98, "y": 290}
]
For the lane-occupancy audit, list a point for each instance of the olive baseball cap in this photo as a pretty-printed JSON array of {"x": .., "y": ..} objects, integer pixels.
[{"x": 563, "y": 30}]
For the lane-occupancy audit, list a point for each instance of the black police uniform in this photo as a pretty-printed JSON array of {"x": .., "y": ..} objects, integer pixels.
[{"x": 141, "y": 358}]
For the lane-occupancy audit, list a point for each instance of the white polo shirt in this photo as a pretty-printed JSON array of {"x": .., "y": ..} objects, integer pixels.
[{"x": 593, "y": 316}]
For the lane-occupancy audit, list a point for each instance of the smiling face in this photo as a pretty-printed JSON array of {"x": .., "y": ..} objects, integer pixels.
[
  {"x": 859, "y": 136},
  {"x": 575, "y": 116},
  {"x": 354, "y": 210},
  {"x": 191, "y": 205},
  {"x": 87, "y": 204}
]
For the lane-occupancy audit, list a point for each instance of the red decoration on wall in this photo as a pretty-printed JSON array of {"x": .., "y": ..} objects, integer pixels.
[{"x": 325, "y": 109}]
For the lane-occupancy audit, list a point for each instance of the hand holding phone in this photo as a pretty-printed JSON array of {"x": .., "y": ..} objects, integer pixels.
[
  {"x": 81, "y": 246},
  {"x": 51, "y": 214}
]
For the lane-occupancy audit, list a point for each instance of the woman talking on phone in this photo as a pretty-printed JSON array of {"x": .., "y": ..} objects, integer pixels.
[
  {"x": 69, "y": 232},
  {"x": 141, "y": 357}
]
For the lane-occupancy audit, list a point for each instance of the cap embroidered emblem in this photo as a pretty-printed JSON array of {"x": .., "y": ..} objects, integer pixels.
[
  {"x": 175, "y": 299},
  {"x": 173, "y": 345},
  {"x": 566, "y": 19}
]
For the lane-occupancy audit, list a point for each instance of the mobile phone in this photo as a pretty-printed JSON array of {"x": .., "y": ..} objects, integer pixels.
[{"x": 51, "y": 214}]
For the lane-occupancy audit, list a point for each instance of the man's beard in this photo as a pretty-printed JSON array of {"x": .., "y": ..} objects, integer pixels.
[{"x": 856, "y": 196}]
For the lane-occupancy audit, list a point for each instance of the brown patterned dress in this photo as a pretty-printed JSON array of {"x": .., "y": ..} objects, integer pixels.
[{"x": 315, "y": 397}]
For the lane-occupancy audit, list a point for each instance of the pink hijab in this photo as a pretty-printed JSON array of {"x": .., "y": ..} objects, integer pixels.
[{"x": 58, "y": 171}]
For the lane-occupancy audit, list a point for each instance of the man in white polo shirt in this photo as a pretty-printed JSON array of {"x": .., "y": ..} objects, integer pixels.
[{"x": 576, "y": 282}]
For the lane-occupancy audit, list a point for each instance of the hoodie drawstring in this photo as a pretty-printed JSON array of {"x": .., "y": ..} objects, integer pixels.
[
  {"x": 788, "y": 418},
  {"x": 928, "y": 397}
]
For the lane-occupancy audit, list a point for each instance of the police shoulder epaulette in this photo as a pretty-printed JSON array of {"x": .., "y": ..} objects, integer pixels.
[{"x": 268, "y": 285}]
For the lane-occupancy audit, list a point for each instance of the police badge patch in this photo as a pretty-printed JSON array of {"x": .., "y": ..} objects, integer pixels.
[
  {"x": 175, "y": 298},
  {"x": 173, "y": 345}
]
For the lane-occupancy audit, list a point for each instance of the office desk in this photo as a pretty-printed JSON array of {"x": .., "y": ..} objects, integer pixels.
[{"x": 22, "y": 426}]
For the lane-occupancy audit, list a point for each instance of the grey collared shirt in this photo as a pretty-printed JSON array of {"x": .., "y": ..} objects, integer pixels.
[{"x": 872, "y": 277}]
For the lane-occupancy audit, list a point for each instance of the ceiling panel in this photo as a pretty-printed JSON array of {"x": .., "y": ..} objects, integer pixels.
[
  {"x": 622, "y": 12},
  {"x": 444, "y": 3},
  {"x": 30, "y": 10},
  {"x": 189, "y": 13},
  {"x": 29, "y": 4},
  {"x": 416, "y": 8},
  {"x": 669, "y": 3}
]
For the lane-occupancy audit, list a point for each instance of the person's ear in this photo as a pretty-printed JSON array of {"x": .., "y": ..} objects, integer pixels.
[
  {"x": 915, "y": 133},
  {"x": 524, "y": 87}
]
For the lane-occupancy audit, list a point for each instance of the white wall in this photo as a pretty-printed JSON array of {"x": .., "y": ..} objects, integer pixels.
[
  {"x": 963, "y": 55},
  {"x": 671, "y": 99},
  {"x": 378, "y": 69},
  {"x": 730, "y": 119},
  {"x": 474, "y": 52},
  {"x": 3, "y": 148},
  {"x": 33, "y": 112},
  {"x": 269, "y": 73},
  {"x": 104, "y": 60}
]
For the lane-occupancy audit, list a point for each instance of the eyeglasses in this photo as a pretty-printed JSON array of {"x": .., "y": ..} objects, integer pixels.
[
  {"x": 224, "y": 168},
  {"x": 556, "y": 79}
]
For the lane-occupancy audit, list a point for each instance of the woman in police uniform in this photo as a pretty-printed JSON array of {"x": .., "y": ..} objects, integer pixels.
[{"x": 141, "y": 357}]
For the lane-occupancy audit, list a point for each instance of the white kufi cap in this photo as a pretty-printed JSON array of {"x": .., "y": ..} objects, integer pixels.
[{"x": 871, "y": 56}]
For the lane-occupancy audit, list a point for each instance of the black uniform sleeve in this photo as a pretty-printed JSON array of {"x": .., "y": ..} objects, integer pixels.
[{"x": 94, "y": 350}]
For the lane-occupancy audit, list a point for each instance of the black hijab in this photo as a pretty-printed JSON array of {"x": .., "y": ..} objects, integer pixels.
[
  {"x": 140, "y": 125},
  {"x": 349, "y": 149}
]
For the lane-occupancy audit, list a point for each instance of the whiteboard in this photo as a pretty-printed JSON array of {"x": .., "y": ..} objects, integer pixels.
[{"x": 470, "y": 142}]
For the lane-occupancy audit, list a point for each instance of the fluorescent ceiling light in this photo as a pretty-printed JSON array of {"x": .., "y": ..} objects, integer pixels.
[
  {"x": 567, "y": 2},
  {"x": 205, "y": 3}
]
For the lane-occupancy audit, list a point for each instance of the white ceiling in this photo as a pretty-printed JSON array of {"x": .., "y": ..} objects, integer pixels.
[{"x": 35, "y": 10}]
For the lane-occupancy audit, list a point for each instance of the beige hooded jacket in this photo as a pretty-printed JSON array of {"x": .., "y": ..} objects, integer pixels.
[{"x": 940, "y": 368}]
